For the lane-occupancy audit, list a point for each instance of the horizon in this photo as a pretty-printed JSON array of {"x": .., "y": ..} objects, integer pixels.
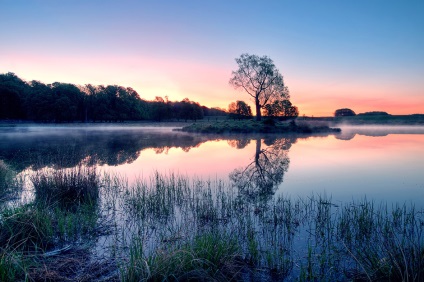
[{"x": 366, "y": 56}]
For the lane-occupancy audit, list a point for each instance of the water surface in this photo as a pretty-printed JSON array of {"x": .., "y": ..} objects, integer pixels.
[{"x": 381, "y": 163}]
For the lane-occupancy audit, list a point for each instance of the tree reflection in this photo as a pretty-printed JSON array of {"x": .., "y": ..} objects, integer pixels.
[
  {"x": 66, "y": 149},
  {"x": 239, "y": 143},
  {"x": 260, "y": 179}
]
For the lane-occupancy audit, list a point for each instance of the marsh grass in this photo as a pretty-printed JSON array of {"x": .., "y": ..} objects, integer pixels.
[
  {"x": 173, "y": 228},
  {"x": 10, "y": 265},
  {"x": 54, "y": 222},
  {"x": 208, "y": 257},
  {"x": 306, "y": 239},
  {"x": 10, "y": 184},
  {"x": 66, "y": 187}
]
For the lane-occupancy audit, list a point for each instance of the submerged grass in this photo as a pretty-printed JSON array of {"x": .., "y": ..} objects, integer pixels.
[{"x": 173, "y": 228}]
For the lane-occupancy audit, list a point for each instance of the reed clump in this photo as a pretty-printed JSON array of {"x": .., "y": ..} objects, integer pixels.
[
  {"x": 66, "y": 187},
  {"x": 208, "y": 257},
  {"x": 60, "y": 221},
  {"x": 9, "y": 184}
]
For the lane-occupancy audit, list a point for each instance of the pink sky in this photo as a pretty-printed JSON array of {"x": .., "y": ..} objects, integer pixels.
[{"x": 334, "y": 55}]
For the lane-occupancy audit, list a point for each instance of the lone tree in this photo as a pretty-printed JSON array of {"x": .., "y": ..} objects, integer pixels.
[
  {"x": 344, "y": 112},
  {"x": 260, "y": 78}
]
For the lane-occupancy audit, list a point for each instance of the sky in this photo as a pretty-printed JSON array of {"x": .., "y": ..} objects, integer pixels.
[{"x": 366, "y": 55}]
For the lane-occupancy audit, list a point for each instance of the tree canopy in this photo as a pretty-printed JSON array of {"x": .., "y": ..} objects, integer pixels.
[
  {"x": 344, "y": 112},
  {"x": 259, "y": 78},
  {"x": 281, "y": 109},
  {"x": 239, "y": 109}
]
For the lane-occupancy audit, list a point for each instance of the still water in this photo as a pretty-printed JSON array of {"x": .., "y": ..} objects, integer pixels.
[{"x": 379, "y": 163}]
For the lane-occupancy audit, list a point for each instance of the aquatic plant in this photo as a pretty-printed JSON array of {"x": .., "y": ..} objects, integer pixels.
[
  {"x": 171, "y": 227},
  {"x": 210, "y": 256},
  {"x": 66, "y": 187}
]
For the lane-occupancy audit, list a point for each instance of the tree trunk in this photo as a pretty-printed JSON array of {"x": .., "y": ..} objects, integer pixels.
[{"x": 258, "y": 110}]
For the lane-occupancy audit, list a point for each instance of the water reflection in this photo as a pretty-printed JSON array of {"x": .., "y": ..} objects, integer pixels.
[
  {"x": 23, "y": 150},
  {"x": 349, "y": 132},
  {"x": 256, "y": 165},
  {"x": 259, "y": 179}
]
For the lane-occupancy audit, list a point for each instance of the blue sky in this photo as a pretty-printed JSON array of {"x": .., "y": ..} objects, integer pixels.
[{"x": 366, "y": 55}]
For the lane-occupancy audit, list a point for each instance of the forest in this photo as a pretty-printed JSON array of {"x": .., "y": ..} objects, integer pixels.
[{"x": 65, "y": 102}]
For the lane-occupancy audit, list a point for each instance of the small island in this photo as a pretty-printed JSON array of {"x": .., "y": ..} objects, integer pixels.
[{"x": 253, "y": 126}]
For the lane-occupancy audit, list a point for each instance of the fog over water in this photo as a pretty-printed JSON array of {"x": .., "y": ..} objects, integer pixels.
[{"x": 379, "y": 162}]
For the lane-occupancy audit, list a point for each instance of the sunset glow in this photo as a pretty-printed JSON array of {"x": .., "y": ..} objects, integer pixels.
[{"x": 332, "y": 54}]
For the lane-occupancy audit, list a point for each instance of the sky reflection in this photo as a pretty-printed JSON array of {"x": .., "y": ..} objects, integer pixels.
[{"x": 379, "y": 164}]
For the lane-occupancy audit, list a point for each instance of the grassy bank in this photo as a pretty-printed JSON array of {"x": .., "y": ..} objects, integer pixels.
[
  {"x": 416, "y": 119},
  {"x": 172, "y": 228},
  {"x": 252, "y": 126}
]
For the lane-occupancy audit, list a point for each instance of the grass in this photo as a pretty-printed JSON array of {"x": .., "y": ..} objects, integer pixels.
[
  {"x": 414, "y": 119},
  {"x": 382, "y": 119},
  {"x": 211, "y": 256},
  {"x": 31, "y": 232},
  {"x": 10, "y": 266},
  {"x": 10, "y": 185},
  {"x": 173, "y": 228},
  {"x": 66, "y": 187}
]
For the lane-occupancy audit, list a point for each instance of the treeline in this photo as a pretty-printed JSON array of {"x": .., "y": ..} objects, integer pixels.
[{"x": 65, "y": 102}]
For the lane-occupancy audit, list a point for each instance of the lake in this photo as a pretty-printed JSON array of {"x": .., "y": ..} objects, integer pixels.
[
  {"x": 381, "y": 163},
  {"x": 138, "y": 202}
]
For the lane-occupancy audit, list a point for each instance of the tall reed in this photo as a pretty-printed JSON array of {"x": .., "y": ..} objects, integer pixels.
[{"x": 66, "y": 187}]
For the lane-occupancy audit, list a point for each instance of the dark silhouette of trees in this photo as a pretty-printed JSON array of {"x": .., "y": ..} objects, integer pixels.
[
  {"x": 65, "y": 102},
  {"x": 374, "y": 113},
  {"x": 239, "y": 110},
  {"x": 344, "y": 112},
  {"x": 260, "y": 78},
  {"x": 10, "y": 99},
  {"x": 213, "y": 112},
  {"x": 160, "y": 109},
  {"x": 187, "y": 109},
  {"x": 282, "y": 109},
  {"x": 91, "y": 146}
]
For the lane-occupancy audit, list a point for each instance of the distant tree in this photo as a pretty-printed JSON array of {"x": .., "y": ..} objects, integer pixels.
[
  {"x": 344, "y": 112},
  {"x": 260, "y": 78},
  {"x": 239, "y": 109},
  {"x": 282, "y": 109},
  {"x": 374, "y": 113}
]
